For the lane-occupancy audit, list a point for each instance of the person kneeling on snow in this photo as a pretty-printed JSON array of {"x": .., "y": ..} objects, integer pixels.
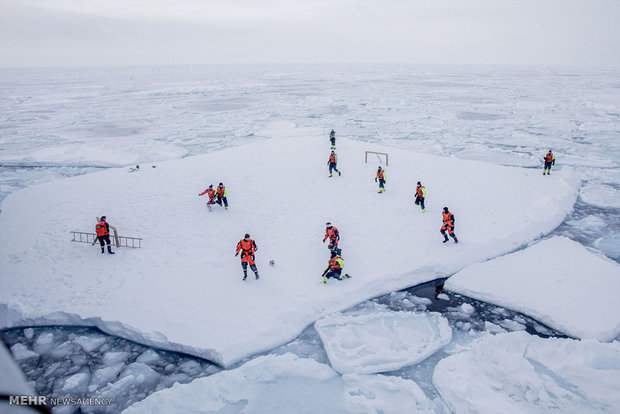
[
  {"x": 334, "y": 268},
  {"x": 211, "y": 192}
]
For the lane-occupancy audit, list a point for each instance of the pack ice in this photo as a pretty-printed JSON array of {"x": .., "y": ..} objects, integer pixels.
[
  {"x": 288, "y": 384},
  {"x": 183, "y": 290}
]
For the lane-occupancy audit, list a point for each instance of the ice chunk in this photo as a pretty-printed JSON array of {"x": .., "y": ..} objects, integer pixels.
[
  {"x": 600, "y": 195},
  {"x": 545, "y": 281},
  {"x": 383, "y": 394},
  {"x": 105, "y": 375},
  {"x": 589, "y": 222},
  {"x": 190, "y": 367},
  {"x": 519, "y": 373},
  {"x": 288, "y": 384},
  {"x": 44, "y": 343},
  {"x": 380, "y": 342},
  {"x": 148, "y": 357},
  {"x": 610, "y": 245},
  {"x": 140, "y": 373},
  {"x": 75, "y": 385},
  {"x": 28, "y": 333},
  {"x": 111, "y": 358},
  {"x": 512, "y": 325},
  {"x": 21, "y": 352},
  {"x": 90, "y": 343}
]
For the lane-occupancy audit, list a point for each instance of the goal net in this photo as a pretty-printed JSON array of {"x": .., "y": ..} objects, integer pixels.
[{"x": 381, "y": 156}]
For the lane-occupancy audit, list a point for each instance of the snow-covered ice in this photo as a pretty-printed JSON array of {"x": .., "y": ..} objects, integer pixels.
[
  {"x": 610, "y": 245},
  {"x": 600, "y": 195},
  {"x": 381, "y": 341},
  {"x": 520, "y": 373},
  {"x": 183, "y": 290},
  {"x": 288, "y": 384},
  {"x": 550, "y": 281}
]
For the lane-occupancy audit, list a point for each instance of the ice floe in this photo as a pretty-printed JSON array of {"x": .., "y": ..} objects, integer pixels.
[
  {"x": 183, "y": 290},
  {"x": 520, "y": 373},
  {"x": 381, "y": 341},
  {"x": 551, "y": 281}
]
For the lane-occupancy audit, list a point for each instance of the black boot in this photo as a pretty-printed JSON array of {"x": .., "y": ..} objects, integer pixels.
[
  {"x": 245, "y": 275},
  {"x": 445, "y": 238},
  {"x": 110, "y": 250},
  {"x": 257, "y": 276},
  {"x": 102, "y": 250},
  {"x": 455, "y": 239}
]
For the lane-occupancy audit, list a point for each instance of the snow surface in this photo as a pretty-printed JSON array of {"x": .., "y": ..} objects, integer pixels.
[
  {"x": 381, "y": 341},
  {"x": 183, "y": 290},
  {"x": 520, "y": 373},
  {"x": 548, "y": 281},
  {"x": 288, "y": 384}
]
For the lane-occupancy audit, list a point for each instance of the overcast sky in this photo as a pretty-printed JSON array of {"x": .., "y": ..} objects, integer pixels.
[{"x": 130, "y": 32}]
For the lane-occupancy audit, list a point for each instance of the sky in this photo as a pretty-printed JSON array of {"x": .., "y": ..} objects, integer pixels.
[{"x": 152, "y": 32}]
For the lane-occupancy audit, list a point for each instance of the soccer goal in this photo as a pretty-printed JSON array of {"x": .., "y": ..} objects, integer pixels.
[{"x": 379, "y": 155}]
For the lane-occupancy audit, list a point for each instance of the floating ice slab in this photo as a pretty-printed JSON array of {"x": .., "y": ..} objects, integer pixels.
[
  {"x": 557, "y": 281},
  {"x": 183, "y": 290},
  {"x": 600, "y": 195},
  {"x": 381, "y": 342},
  {"x": 288, "y": 384},
  {"x": 610, "y": 245},
  {"x": 519, "y": 373}
]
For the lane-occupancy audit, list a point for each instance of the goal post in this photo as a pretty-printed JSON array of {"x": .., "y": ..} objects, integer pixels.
[{"x": 379, "y": 154}]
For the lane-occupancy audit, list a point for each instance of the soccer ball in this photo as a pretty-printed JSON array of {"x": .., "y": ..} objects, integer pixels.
[{"x": 272, "y": 263}]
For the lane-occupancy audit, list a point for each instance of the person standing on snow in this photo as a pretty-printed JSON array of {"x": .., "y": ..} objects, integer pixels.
[
  {"x": 333, "y": 160},
  {"x": 381, "y": 177},
  {"x": 420, "y": 195},
  {"x": 448, "y": 224},
  {"x": 221, "y": 196},
  {"x": 332, "y": 138},
  {"x": 103, "y": 234},
  {"x": 334, "y": 268},
  {"x": 549, "y": 161},
  {"x": 333, "y": 234},
  {"x": 247, "y": 247},
  {"x": 211, "y": 192}
]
